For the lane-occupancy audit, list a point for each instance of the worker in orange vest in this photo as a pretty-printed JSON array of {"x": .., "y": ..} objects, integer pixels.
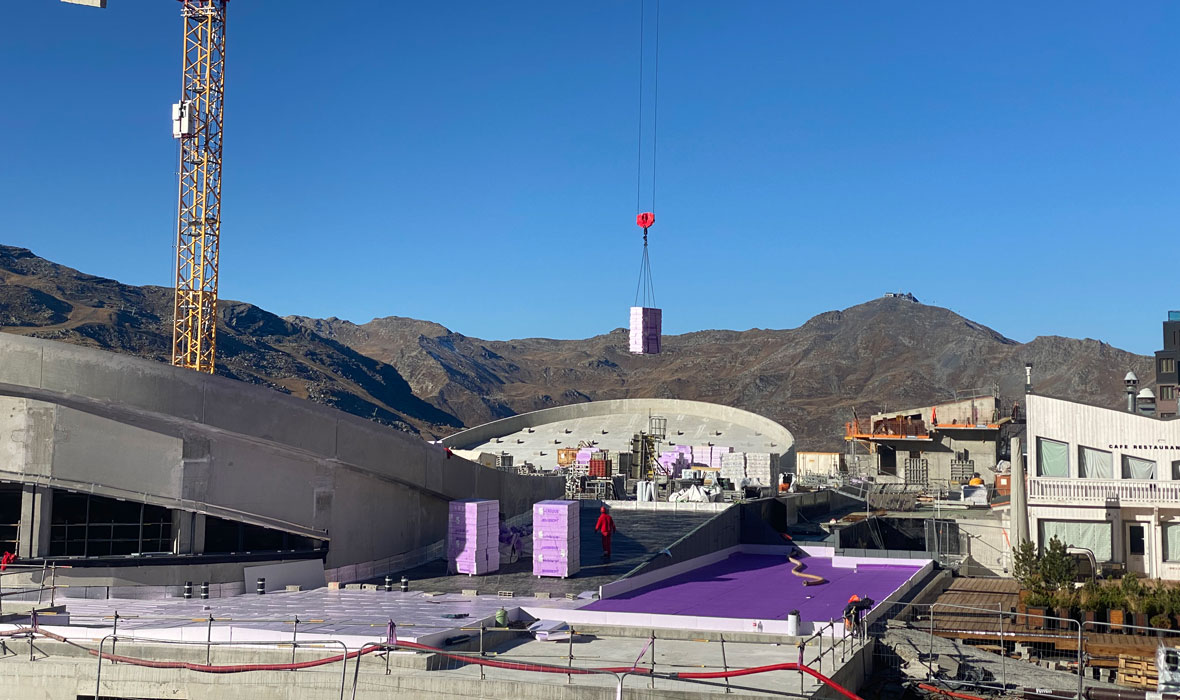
[{"x": 606, "y": 527}]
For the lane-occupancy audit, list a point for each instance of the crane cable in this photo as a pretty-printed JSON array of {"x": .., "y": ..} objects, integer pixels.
[{"x": 645, "y": 220}]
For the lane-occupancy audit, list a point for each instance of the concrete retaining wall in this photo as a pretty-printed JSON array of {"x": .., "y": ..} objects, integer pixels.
[{"x": 118, "y": 426}]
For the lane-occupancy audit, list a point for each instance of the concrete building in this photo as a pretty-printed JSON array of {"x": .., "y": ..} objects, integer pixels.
[
  {"x": 1166, "y": 377},
  {"x": 541, "y": 437},
  {"x": 934, "y": 446},
  {"x": 1105, "y": 480},
  {"x": 137, "y": 472},
  {"x": 819, "y": 464}
]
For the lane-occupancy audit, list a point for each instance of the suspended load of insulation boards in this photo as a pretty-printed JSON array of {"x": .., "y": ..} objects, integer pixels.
[{"x": 646, "y": 321}]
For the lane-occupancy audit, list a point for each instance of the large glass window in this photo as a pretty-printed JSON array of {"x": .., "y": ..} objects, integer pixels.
[
  {"x": 1093, "y": 536},
  {"x": 229, "y": 537},
  {"x": 10, "y": 498},
  {"x": 1095, "y": 464},
  {"x": 1167, "y": 365},
  {"x": 1052, "y": 458},
  {"x": 1136, "y": 468},
  {"x": 1171, "y": 541},
  {"x": 92, "y": 526},
  {"x": 1167, "y": 392}
]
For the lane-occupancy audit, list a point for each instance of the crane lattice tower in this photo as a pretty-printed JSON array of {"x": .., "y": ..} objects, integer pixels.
[{"x": 197, "y": 122}]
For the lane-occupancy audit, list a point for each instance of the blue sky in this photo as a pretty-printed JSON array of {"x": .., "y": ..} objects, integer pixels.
[{"x": 473, "y": 163}]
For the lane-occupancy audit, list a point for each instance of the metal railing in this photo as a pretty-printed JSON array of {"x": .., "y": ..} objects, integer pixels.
[{"x": 1099, "y": 490}]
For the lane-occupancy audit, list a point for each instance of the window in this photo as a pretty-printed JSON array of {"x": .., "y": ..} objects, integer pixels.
[
  {"x": 1171, "y": 541},
  {"x": 93, "y": 526},
  {"x": 1052, "y": 458},
  {"x": 1167, "y": 392},
  {"x": 1094, "y": 536},
  {"x": 1094, "y": 464},
  {"x": 1136, "y": 468},
  {"x": 1167, "y": 365}
]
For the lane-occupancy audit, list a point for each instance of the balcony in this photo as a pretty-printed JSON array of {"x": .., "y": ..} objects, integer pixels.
[{"x": 1098, "y": 491}]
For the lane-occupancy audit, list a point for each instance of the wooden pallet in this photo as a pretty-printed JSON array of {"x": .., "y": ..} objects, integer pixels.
[{"x": 1137, "y": 671}]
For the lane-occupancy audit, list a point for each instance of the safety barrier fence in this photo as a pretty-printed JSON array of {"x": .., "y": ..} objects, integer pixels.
[
  {"x": 983, "y": 641},
  {"x": 48, "y": 571},
  {"x": 487, "y": 660}
]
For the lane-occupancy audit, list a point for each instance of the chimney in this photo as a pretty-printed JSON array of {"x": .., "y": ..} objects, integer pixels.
[
  {"x": 1028, "y": 388},
  {"x": 1131, "y": 381}
]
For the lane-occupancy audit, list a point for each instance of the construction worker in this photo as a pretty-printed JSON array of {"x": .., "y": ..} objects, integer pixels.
[
  {"x": 856, "y": 605},
  {"x": 606, "y": 527},
  {"x": 975, "y": 480}
]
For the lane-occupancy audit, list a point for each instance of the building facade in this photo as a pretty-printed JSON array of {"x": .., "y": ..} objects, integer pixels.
[
  {"x": 1166, "y": 377},
  {"x": 934, "y": 446},
  {"x": 1105, "y": 480}
]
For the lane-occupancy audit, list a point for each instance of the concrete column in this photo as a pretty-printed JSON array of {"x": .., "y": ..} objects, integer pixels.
[
  {"x": 188, "y": 532},
  {"x": 1019, "y": 508},
  {"x": 36, "y": 514}
]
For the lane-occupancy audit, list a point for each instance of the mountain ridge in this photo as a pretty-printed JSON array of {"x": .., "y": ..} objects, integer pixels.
[{"x": 423, "y": 377}]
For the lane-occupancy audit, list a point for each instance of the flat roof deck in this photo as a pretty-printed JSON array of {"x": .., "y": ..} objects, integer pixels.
[{"x": 762, "y": 586}]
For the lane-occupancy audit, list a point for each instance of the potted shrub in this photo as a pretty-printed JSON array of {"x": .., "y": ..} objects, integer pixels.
[
  {"x": 1116, "y": 608},
  {"x": 1161, "y": 621},
  {"x": 1026, "y": 569},
  {"x": 1039, "y": 602},
  {"x": 1065, "y": 603},
  {"x": 1137, "y": 602},
  {"x": 1172, "y": 599},
  {"x": 1093, "y": 603}
]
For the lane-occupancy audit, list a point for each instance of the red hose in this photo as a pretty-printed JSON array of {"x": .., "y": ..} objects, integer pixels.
[
  {"x": 493, "y": 663},
  {"x": 948, "y": 693}
]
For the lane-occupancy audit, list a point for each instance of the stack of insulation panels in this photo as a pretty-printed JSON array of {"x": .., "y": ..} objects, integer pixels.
[
  {"x": 709, "y": 455},
  {"x": 557, "y": 541},
  {"x": 761, "y": 468},
  {"x": 733, "y": 466},
  {"x": 646, "y": 325},
  {"x": 674, "y": 462},
  {"x": 473, "y": 536}
]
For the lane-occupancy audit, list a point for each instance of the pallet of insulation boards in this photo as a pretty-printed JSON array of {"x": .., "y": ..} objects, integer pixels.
[{"x": 1137, "y": 672}]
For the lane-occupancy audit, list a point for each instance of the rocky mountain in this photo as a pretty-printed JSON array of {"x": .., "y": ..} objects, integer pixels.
[
  {"x": 889, "y": 353},
  {"x": 40, "y": 298}
]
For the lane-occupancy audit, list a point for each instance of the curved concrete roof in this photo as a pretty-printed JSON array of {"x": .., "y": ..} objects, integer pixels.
[
  {"x": 535, "y": 436},
  {"x": 119, "y": 426}
]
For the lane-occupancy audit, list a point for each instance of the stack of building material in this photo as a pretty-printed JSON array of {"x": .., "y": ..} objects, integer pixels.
[
  {"x": 600, "y": 466},
  {"x": 674, "y": 462},
  {"x": 762, "y": 468},
  {"x": 646, "y": 324},
  {"x": 733, "y": 466},
  {"x": 473, "y": 536},
  {"x": 709, "y": 455},
  {"x": 1138, "y": 671},
  {"x": 556, "y": 538},
  {"x": 566, "y": 456}
]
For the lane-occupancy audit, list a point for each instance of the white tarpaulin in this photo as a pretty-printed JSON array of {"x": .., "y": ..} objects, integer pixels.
[
  {"x": 1094, "y": 464},
  {"x": 1052, "y": 458},
  {"x": 1171, "y": 541},
  {"x": 1135, "y": 468},
  {"x": 1092, "y": 536}
]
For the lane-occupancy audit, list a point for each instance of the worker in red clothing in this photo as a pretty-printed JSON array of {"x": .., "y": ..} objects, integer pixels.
[{"x": 605, "y": 526}]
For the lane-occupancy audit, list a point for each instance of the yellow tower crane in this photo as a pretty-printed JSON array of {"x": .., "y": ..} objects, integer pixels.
[{"x": 196, "y": 123}]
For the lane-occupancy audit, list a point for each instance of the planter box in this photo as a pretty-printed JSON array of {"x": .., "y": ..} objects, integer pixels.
[
  {"x": 1094, "y": 617},
  {"x": 1036, "y": 617},
  {"x": 1117, "y": 619},
  {"x": 1140, "y": 620}
]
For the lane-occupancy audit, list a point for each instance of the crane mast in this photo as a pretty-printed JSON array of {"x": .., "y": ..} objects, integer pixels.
[{"x": 197, "y": 123}]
